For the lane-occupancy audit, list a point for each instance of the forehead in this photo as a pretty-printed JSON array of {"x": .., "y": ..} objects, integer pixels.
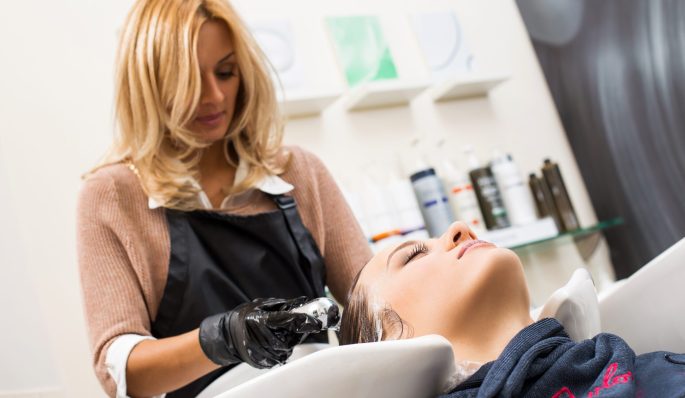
[
  {"x": 214, "y": 40},
  {"x": 376, "y": 266}
]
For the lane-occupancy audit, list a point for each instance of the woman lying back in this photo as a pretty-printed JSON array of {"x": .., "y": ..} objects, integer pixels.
[{"x": 475, "y": 295}]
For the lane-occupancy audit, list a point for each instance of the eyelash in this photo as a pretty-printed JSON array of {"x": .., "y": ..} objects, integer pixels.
[
  {"x": 417, "y": 249},
  {"x": 225, "y": 75}
]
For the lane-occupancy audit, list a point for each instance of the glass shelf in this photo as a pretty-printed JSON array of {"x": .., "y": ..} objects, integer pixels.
[{"x": 574, "y": 235}]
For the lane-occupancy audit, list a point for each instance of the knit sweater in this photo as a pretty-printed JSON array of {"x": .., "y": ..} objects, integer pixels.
[
  {"x": 124, "y": 247},
  {"x": 541, "y": 361}
]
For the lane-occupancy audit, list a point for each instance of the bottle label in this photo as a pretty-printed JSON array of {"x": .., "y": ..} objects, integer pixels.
[
  {"x": 461, "y": 188},
  {"x": 490, "y": 192},
  {"x": 436, "y": 213},
  {"x": 493, "y": 202}
]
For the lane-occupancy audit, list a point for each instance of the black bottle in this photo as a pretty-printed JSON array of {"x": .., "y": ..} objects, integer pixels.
[
  {"x": 544, "y": 203},
  {"x": 562, "y": 201},
  {"x": 487, "y": 192}
]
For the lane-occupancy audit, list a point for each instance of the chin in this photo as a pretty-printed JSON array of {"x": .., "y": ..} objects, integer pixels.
[
  {"x": 214, "y": 135},
  {"x": 507, "y": 255},
  {"x": 498, "y": 281},
  {"x": 497, "y": 268},
  {"x": 507, "y": 266},
  {"x": 504, "y": 261}
]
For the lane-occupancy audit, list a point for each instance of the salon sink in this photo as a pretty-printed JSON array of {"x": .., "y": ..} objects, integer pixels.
[{"x": 414, "y": 368}]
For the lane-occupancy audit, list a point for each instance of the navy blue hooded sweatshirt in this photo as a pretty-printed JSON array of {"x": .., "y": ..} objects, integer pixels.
[{"x": 542, "y": 361}]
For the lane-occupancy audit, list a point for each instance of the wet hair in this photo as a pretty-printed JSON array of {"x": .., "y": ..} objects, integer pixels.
[{"x": 363, "y": 322}]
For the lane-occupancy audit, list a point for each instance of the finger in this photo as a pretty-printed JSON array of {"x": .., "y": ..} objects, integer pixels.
[
  {"x": 267, "y": 341},
  {"x": 293, "y": 322},
  {"x": 251, "y": 344},
  {"x": 270, "y": 304},
  {"x": 293, "y": 339},
  {"x": 261, "y": 357},
  {"x": 296, "y": 302},
  {"x": 286, "y": 339},
  {"x": 279, "y": 358},
  {"x": 260, "y": 361},
  {"x": 285, "y": 354}
]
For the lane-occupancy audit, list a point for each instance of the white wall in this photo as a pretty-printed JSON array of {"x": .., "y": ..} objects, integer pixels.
[
  {"x": 23, "y": 345},
  {"x": 56, "y": 80}
]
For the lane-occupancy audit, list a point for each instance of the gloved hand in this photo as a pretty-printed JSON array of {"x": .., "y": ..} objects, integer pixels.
[{"x": 261, "y": 333}]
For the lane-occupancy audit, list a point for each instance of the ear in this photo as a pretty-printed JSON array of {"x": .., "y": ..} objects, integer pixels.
[{"x": 394, "y": 327}]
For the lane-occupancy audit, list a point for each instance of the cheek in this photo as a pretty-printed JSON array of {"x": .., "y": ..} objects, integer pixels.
[
  {"x": 230, "y": 89},
  {"x": 418, "y": 292}
]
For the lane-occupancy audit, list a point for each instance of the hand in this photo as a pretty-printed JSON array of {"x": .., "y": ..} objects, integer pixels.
[{"x": 261, "y": 333}]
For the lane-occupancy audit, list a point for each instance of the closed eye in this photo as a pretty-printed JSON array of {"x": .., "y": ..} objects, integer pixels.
[
  {"x": 418, "y": 249},
  {"x": 226, "y": 74}
]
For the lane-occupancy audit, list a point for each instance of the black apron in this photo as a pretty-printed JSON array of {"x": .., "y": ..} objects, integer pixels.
[{"x": 219, "y": 261}]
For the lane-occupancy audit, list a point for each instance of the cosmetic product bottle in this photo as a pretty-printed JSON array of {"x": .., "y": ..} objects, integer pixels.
[
  {"x": 562, "y": 201},
  {"x": 437, "y": 214},
  {"x": 487, "y": 192},
  {"x": 355, "y": 201},
  {"x": 379, "y": 217},
  {"x": 515, "y": 194},
  {"x": 544, "y": 203},
  {"x": 406, "y": 209},
  {"x": 462, "y": 197}
]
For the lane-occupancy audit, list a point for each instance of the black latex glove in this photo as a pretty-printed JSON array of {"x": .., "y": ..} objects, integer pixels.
[{"x": 261, "y": 333}]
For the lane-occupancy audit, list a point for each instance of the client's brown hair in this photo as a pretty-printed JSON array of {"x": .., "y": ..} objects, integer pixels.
[{"x": 359, "y": 323}]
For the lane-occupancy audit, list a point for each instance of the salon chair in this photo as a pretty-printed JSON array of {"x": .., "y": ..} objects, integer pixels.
[{"x": 646, "y": 309}]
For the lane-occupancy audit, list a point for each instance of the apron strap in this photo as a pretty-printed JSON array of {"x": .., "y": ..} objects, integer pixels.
[{"x": 303, "y": 239}]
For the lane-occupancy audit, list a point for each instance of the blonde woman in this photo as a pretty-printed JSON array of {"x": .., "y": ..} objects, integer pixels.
[{"x": 198, "y": 213}]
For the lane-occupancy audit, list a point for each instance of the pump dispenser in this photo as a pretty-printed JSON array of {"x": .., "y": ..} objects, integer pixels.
[{"x": 489, "y": 197}]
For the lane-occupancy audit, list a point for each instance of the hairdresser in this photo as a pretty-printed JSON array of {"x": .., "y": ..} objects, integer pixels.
[{"x": 199, "y": 231}]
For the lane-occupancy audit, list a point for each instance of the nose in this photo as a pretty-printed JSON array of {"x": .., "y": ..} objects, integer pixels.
[
  {"x": 211, "y": 92},
  {"x": 457, "y": 233}
]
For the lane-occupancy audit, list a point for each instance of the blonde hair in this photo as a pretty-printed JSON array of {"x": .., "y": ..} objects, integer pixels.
[{"x": 158, "y": 89}]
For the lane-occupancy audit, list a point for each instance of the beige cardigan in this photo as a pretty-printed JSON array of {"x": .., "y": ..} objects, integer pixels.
[{"x": 123, "y": 246}]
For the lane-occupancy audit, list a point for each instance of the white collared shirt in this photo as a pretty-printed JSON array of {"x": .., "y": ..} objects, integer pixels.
[
  {"x": 273, "y": 185},
  {"x": 120, "y": 349}
]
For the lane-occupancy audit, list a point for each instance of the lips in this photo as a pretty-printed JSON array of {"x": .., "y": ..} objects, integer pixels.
[
  {"x": 210, "y": 119},
  {"x": 471, "y": 244}
]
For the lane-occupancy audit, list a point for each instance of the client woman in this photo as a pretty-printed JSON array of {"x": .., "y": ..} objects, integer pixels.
[{"x": 475, "y": 295}]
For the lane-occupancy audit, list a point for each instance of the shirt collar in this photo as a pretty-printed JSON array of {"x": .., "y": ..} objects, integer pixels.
[{"x": 270, "y": 184}]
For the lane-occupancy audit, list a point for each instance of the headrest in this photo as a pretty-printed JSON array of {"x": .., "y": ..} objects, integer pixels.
[
  {"x": 575, "y": 306},
  {"x": 412, "y": 368},
  {"x": 646, "y": 309}
]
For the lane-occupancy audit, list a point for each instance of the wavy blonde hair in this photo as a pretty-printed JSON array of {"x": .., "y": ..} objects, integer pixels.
[{"x": 158, "y": 88}]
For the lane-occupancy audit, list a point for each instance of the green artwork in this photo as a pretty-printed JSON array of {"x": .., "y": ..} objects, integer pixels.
[{"x": 362, "y": 49}]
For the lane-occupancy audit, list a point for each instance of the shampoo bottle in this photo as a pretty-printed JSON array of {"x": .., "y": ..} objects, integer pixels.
[
  {"x": 379, "y": 214},
  {"x": 515, "y": 194},
  {"x": 487, "y": 192},
  {"x": 462, "y": 197},
  {"x": 433, "y": 202},
  {"x": 406, "y": 208},
  {"x": 544, "y": 202},
  {"x": 562, "y": 201}
]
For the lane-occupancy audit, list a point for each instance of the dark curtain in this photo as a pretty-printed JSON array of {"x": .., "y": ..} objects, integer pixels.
[{"x": 616, "y": 70}]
